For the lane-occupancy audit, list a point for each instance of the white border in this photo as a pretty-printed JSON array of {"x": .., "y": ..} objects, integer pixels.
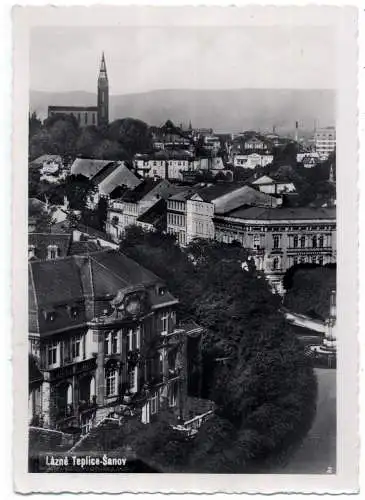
[{"x": 345, "y": 21}]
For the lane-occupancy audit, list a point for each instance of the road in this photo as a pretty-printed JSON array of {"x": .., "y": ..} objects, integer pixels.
[{"x": 317, "y": 453}]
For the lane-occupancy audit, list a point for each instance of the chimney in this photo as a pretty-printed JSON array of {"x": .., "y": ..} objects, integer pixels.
[{"x": 296, "y": 131}]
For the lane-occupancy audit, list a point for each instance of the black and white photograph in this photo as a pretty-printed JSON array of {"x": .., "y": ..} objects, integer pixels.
[{"x": 183, "y": 248}]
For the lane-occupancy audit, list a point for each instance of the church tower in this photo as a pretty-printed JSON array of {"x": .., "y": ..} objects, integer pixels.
[{"x": 103, "y": 94}]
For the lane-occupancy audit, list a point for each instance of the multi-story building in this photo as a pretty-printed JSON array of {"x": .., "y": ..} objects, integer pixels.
[
  {"x": 325, "y": 141},
  {"x": 281, "y": 237},
  {"x": 164, "y": 164},
  {"x": 252, "y": 160},
  {"x": 190, "y": 213},
  {"x": 103, "y": 333},
  {"x": 125, "y": 211}
]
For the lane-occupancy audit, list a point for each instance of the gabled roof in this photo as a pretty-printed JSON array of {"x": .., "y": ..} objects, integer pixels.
[
  {"x": 88, "y": 167},
  {"x": 210, "y": 193},
  {"x": 119, "y": 176},
  {"x": 245, "y": 196},
  {"x": 154, "y": 214},
  {"x": 41, "y": 241}
]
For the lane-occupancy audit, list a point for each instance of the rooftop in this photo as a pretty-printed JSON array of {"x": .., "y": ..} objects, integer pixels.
[
  {"x": 89, "y": 167},
  {"x": 70, "y": 280},
  {"x": 41, "y": 241},
  {"x": 283, "y": 213}
]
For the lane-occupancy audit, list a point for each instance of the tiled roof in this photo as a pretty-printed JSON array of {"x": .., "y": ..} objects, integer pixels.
[
  {"x": 120, "y": 176},
  {"x": 244, "y": 196},
  {"x": 41, "y": 159},
  {"x": 154, "y": 214},
  {"x": 83, "y": 247},
  {"x": 214, "y": 191},
  {"x": 35, "y": 204},
  {"x": 88, "y": 167},
  {"x": 283, "y": 213},
  {"x": 41, "y": 241},
  {"x": 55, "y": 284}
]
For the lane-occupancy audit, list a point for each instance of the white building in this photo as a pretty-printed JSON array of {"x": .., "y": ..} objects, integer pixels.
[
  {"x": 252, "y": 160},
  {"x": 325, "y": 141},
  {"x": 271, "y": 185}
]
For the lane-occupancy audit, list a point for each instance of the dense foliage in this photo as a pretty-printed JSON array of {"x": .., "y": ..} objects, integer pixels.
[
  {"x": 61, "y": 134},
  {"x": 309, "y": 289},
  {"x": 264, "y": 387}
]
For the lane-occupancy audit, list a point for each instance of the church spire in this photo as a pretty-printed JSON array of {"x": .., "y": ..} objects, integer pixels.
[
  {"x": 103, "y": 73},
  {"x": 103, "y": 94}
]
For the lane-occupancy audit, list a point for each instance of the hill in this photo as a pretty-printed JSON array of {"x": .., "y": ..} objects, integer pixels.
[{"x": 222, "y": 110}]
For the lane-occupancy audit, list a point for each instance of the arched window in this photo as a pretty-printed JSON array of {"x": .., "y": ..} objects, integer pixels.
[
  {"x": 320, "y": 241},
  {"x": 295, "y": 241},
  {"x": 302, "y": 241},
  {"x": 314, "y": 241}
]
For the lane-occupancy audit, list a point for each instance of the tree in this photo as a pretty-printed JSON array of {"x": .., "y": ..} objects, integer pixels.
[
  {"x": 133, "y": 135},
  {"x": 309, "y": 290},
  {"x": 108, "y": 149},
  {"x": 77, "y": 189},
  {"x": 63, "y": 133},
  {"x": 35, "y": 124},
  {"x": 264, "y": 389}
]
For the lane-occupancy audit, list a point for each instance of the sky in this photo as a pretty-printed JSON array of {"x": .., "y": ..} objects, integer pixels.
[{"x": 140, "y": 59}]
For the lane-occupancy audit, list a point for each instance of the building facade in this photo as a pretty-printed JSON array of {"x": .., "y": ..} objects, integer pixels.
[
  {"x": 325, "y": 141},
  {"x": 190, "y": 214},
  {"x": 104, "y": 336},
  {"x": 281, "y": 238}
]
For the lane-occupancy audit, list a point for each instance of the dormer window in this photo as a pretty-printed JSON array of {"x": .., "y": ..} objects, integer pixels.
[
  {"x": 49, "y": 315},
  {"x": 53, "y": 252},
  {"x": 73, "y": 311},
  {"x": 161, "y": 290}
]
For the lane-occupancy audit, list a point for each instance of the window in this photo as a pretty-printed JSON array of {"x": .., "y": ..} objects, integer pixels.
[
  {"x": 295, "y": 242},
  {"x": 85, "y": 118},
  {"x": 314, "y": 259},
  {"x": 76, "y": 347},
  {"x": 295, "y": 261},
  {"x": 320, "y": 260},
  {"x": 302, "y": 241},
  {"x": 111, "y": 382},
  {"x": 93, "y": 118},
  {"x": 115, "y": 342},
  {"x": 314, "y": 241},
  {"x": 164, "y": 323},
  {"x": 132, "y": 380},
  {"x": 130, "y": 339},
  {"x": 52, "y": 353},
  {"x": 154, "y": 403},
  {"x": 320, "y": 241},
  {"x": 78, "y": 117},
  {"x": 173, "y": 394},
  {"x": 275, "y": 264},
  {"x": 276, "y": 239}
]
